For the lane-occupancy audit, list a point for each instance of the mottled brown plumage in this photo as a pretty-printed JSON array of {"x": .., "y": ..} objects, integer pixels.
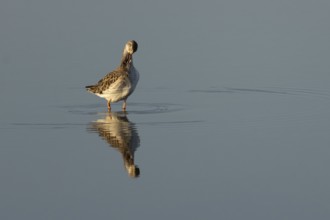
[
  {"x": 120, "y": 83},
  {"x": 107, "y": 80}
]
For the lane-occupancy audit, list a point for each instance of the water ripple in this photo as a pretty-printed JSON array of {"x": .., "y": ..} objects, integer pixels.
[
  {"x": 134, "y": 108},
  {"x": 267, "y": 90}
]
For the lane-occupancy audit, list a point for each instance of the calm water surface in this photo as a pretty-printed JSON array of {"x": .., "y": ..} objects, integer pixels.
[
  {"x": 230, "y": 119},
  {"x": 232, "y": 153}
]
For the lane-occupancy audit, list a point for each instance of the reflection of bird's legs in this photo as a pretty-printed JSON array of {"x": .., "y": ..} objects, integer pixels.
[
  {"x": 109, "y": 105},
  {"x": 124, "y": 105}
]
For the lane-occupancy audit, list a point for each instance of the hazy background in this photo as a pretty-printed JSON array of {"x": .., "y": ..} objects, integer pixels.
[{"x": 232, "y": 109}]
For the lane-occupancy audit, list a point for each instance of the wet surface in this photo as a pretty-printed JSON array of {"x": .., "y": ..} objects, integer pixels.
[
  {"x": 244, "y": 148},
  {"x": 230, "y": 119}
]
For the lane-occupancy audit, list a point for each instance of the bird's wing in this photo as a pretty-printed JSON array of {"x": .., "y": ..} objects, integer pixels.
[{"x": 108, "y": 80}]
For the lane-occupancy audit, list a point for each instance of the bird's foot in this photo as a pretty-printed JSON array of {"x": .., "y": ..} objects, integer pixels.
[
  {"x": 124, "y": 105},
  {"x": 109, "y": 106}
]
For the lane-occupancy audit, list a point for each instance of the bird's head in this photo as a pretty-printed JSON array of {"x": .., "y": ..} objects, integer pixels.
[{"x": 131, "y": 47}]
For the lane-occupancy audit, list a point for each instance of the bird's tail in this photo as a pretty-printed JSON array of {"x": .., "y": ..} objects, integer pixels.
[{"x": 91, "y": 88}]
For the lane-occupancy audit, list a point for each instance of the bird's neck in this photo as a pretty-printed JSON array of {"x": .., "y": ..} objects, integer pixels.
[{"x": 126, "y": 60}]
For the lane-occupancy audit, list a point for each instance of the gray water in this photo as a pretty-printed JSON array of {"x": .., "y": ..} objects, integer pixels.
[{"x": 230, "y": 119}]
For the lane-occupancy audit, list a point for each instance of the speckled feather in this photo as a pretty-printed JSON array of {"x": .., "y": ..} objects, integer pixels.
[
  {"x": 107, "y": 80},
  {"x": 119, "y": 84}
]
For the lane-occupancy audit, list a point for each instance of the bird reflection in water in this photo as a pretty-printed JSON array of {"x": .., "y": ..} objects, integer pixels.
[{"x": 121, "y": 134}]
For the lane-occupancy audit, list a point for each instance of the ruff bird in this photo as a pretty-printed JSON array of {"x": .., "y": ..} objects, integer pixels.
[{"x": 120, "y": 83}]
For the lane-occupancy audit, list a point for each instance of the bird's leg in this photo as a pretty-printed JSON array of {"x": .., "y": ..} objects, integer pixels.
[
  {"x": 109, "y": 105},
  {"x": 124, "y": 105}
]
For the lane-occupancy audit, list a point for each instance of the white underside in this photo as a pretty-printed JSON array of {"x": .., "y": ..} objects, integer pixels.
[{"x": 122, "y": 88}]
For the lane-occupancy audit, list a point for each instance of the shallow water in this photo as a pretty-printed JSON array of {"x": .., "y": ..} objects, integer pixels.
[
  {"x": 232, "y": 124},
  {"x": 238, "y": 148}
]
